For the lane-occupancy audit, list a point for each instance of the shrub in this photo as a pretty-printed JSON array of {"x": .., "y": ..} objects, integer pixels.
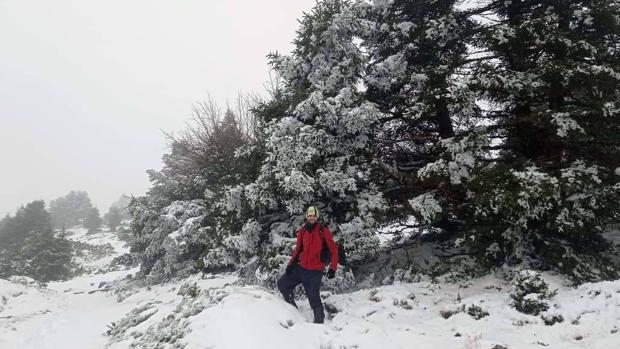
[{"x": 530, "y": 292}]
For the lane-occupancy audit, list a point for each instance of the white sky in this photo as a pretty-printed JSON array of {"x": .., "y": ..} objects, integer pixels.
[{"x": 86, "y": 87}]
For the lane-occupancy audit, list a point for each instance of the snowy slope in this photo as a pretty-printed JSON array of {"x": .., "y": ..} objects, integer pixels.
[
  {"x": 216, "y": 311},
  {"x": 68, "y": 314}
]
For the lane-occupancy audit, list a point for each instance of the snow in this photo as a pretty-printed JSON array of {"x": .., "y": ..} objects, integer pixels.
[
  {"x": 71, "y": 314},
  {"x": 101, "y": 239},
  {"x": 427, "y": 206},
  {"x": 251, "y": 317},
  {"x": 217, "y": 311},
  {"x": 566, "y": 124}
]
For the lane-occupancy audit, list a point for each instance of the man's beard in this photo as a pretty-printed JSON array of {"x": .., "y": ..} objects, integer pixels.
[{"x": 309, "y": 226}]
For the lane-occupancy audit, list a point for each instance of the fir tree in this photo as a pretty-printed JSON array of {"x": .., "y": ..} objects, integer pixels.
[
  {"x": 121, "y": 205},
  {"x": 93, "y": 221},
  {"x": 418, "y": 76},
  {"x": 552, "y": 88},
  {"x": 113, "y": 218},
  {"x": 46, "y": 257},
  {"x": 70, "y": 210},
  {"x": 29, "y": 247},
  {"x": 33, "y": 217},
  {"x": 494, "y": 124},
  {"x": 319, "y": 150}
]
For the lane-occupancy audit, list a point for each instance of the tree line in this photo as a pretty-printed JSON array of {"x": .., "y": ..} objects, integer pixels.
[{"x": 33, "y": 241}]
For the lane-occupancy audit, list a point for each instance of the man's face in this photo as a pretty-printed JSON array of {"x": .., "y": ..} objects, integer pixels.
[{"x": 311, "y": 218}]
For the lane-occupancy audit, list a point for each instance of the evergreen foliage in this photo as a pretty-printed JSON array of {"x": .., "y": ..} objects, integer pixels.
[
  {"x": 93, "y": 221},
  {"x": 121, "y": 205},
  {"x": 113, "y": 218},
  {"x": 417, "y": 75},
  {"x": 183, "y": 225},
  {"x": 28, "y": 245},
  {"x": 491, "y": 126},
  {"x": 545, "y": 196},
  {"x": 530, "y": 293},
  {"x": 70, "y": 210},
  {"x": 319, "y": 150}
]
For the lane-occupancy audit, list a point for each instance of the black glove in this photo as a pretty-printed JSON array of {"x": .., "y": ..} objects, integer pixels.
[
  {"x": 331, "y": 274},
  {"x": 289, "y": 268}
]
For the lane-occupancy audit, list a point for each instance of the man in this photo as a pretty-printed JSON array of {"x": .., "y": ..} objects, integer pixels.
[{"x": 306, "y": 266}]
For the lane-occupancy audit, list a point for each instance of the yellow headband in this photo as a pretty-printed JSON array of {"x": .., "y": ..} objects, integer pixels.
[{"x": 312, "y": 211}]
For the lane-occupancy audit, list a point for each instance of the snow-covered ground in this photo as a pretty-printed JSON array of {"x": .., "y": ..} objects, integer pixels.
[{"x": 216, "y": 311}]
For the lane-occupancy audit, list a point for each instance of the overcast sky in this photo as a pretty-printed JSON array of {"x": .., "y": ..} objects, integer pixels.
[{"x": 86, "y": 87}]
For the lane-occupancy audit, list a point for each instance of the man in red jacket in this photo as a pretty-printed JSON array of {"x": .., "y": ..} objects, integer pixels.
[{"x": 306, "y": 266}]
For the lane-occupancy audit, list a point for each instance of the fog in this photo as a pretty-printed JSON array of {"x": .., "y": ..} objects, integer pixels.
[{"x": 87, "y": 87}]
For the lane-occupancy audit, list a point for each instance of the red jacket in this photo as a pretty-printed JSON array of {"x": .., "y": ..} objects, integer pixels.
[{"x": 309, "y": 243}]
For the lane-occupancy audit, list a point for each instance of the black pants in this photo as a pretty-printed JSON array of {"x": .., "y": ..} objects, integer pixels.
[{"x": 311, "y": 280}]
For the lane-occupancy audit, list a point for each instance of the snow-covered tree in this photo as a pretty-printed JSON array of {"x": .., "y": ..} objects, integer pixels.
[
  {"x": 180, "y": 225},
  {"x": 530, "y": 292},
  {"x": 46, "y": 257},
  {"x": 33, "y": 217},
  {"x": 494, "y": 123},
  {"x": 319, "y": 148},
  {"x": 418, "y": 76},
  {"x": 70, "y": 210},
  {"x": 371, "y": 97},
  {"x": 552, "y": 88},
  {"x": 93, "y": 220},
  {"x": 28, "y": 245},
  {"x": 113, "y": 218},
  {"x": 121, "y": 205}
]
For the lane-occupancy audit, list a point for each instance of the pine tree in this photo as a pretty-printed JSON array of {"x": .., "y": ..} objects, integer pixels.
[
  {"x": 70, "y": 210},
  {"x": 93, "y": 221},
  {"x": 494, "y": 124},
  {"x": 121, "y": 205},
  {"x": 418, "y": 76},
  {"x": 46, "y": 257},
  {"x": 552, "y": 87},
  {"x": 33, "y": 217},
  {"x": 319, "y": 151},
  {"x": 29, "y": 246},
  {"x": 113, "y": 218}
]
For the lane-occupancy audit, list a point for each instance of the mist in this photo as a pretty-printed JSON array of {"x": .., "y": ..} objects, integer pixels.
[{"x": 87, "y": 88}]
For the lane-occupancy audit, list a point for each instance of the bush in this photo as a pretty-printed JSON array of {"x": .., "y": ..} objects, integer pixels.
[
  {"x": 476, "y": 312},
  {"x": 530, "y": 292}
]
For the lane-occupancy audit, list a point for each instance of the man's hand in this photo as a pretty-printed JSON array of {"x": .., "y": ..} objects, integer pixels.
[
  {"x": 331, "y": 274},
  {"x": 289, "y": 268}
]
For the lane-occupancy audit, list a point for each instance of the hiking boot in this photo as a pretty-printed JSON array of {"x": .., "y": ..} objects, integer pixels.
[
  {"x": 290, "y": 299},
  {"x": 319, "y": 315}
]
